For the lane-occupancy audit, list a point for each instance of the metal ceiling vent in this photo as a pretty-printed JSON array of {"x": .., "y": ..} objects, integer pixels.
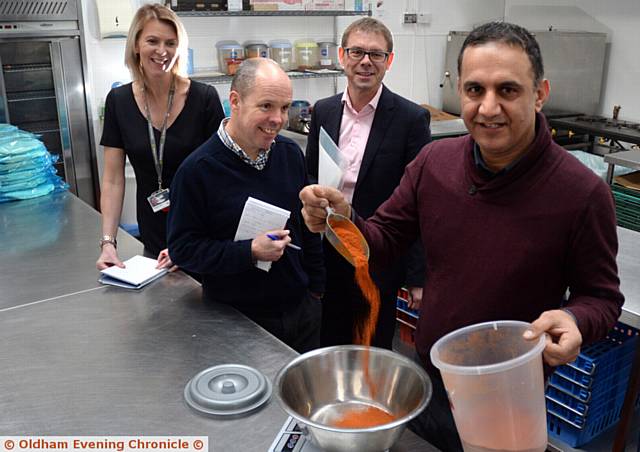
[{"x": 22, "y": 10}]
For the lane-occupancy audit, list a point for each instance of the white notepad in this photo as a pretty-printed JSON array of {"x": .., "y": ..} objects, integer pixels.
[
  {"x": 257, "y": 218},
  {"x": 138, "y": 272},
  {"x": 330, "y": 172}
]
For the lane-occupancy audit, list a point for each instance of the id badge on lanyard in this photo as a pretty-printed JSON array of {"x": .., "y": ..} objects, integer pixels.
[{"x": 159, "y": 199}]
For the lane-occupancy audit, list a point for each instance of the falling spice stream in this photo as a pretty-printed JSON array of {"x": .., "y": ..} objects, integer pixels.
[{"x": 364, "y": 329}]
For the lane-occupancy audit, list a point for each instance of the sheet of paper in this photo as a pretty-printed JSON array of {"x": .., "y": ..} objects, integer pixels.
[
  {"x": 257, "y": 218},
  {"x": 329, "y": 169},
  {"x": 138, "y": 270}
]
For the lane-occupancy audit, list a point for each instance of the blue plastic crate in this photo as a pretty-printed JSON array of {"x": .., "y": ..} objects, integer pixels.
[
  {"x": 592, "y": 411},
  {"x": 585, "y": 398},
  {"x": 403, "y": 306},
  {"x": 619, "y": 340},
  {"x": 612, "y": 366},
  {"x": 599, "y": 390},
  {"x": 578, "y": 406},
  {"x": 567, "y": 400},
  {"x": 576, "y": 435}
]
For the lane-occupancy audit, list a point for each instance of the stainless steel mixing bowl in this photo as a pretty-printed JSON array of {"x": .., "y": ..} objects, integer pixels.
[{"x": 317, "y": 387}]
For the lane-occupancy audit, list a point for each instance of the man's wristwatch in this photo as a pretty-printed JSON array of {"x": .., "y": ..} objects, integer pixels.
[{"x": 108, "y": 239}]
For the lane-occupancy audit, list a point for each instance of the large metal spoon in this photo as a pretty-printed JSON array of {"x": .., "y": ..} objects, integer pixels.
[{"x": 332, "y": 220}]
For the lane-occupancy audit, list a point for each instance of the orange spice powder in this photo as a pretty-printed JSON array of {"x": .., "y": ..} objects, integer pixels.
[
  {"x": 363, "y": 418},
  {"x": 365, "y": 327}
]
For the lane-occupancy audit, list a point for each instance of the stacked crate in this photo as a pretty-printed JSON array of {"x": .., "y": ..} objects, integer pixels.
[
  {"x": 584, "y": 398},
  {"x": 627, "y": 207},
  {"x": 406, "y": 318}
]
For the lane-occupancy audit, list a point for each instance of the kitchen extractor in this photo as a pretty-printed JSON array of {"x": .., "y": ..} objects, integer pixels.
[
  {"x": 43, "y": 88},
  {"x": 573, "y": 63}
]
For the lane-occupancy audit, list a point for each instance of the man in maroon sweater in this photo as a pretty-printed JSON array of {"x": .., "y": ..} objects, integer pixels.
[{"x": 509, "y": 220}]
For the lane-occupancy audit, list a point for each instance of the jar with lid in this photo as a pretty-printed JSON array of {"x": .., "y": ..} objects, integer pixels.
[
  {"x": 281, "y": 52},
  {"x": 228, "y": 50},
  {"x": 256, "y": 49},
  {"x": 328, "y": 55},
  {"x": 306, "y": 54}
]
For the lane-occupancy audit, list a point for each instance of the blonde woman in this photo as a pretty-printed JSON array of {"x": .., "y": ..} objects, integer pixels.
[{"x": 156, "y": 121}]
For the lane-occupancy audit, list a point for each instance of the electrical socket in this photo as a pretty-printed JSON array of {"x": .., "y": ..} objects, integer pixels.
[{"x": 410, "y": 18}]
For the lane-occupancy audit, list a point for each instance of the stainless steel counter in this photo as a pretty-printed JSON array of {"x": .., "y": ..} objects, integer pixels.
[
  {"x": 49, "y": 247},
  {"x": 629, "y": 159},
  {"x": 112, "y": 362},
  {"x": 448, "y": 128},
  {"x": 83, "y": 359}
]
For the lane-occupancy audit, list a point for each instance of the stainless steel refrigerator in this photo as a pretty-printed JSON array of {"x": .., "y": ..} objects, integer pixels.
[{"x": 43, "y": 85}]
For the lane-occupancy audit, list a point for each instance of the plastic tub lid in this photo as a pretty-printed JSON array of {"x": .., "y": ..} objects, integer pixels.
[
  {"x": 498, "y": 366},
  {"x": 255, "y": 43},
  {"x": 306, "y": 44},
  {"x": 230, "y": 47},
  {"x": 281, "y": 44},
  {"x": 227, "y": 390},
  {"x": 327, "y": 44},
  {"x": 227, "y": 42}
]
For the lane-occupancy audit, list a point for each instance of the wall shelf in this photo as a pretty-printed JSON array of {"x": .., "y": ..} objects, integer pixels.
[
  {"x": 294, "y": 75},
  {"x": 271, "y": 13}
]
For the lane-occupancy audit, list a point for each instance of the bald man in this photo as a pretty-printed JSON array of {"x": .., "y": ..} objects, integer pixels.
[{"x": 247, "y": 158}]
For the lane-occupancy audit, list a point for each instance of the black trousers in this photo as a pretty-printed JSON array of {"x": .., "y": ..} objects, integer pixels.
[
  {"x": 435, "y": 424},
  {"x": 298, "y": 327}
]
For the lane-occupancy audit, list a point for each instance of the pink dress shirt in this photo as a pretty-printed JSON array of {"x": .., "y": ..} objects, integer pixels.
[{"x": 354, "y": 133}]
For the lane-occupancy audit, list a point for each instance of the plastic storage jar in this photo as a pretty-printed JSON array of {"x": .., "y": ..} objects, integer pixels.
[
  {"x": 256, "y": 49},
  {"x": 306, "y": 55},
  {"x": 328, "y": 55},
  {"x": 228, "y": 50},
  {"x": 282, "y": 53}
]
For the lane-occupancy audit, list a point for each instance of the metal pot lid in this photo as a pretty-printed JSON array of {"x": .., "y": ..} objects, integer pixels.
[{"x": 227, "y": 390}]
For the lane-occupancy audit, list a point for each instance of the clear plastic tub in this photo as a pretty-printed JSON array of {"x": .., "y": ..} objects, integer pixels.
[
  {"x": 228, "y": 50},
  {"x": 282, "y": 53},
  {"x": 495, "y": 383},
  {"x": 307, "y": 55},
  {"x": 328, "y": 55},
  {"x": 256, "y": 49}
]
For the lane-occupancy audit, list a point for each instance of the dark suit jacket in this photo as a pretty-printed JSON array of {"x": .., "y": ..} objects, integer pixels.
[{"x": 399, "y": 131}]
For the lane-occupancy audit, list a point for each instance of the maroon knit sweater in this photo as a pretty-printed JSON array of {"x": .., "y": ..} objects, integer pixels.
[{"x": 506, "y": 248}]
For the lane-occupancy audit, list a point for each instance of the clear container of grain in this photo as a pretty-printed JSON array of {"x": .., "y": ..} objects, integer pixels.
[
  {"x": 228, "y": 50},
  {"x": 306, "y": 54},
  {"x": 256, "y": 49},
  {"x": 328, "y": 55},
  {"x": 282, "y": 53}
]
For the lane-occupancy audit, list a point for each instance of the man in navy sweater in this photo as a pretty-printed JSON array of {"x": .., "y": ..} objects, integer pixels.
[
  {"x": 247, "y": 158},
  {"x": 509, "y": 220}
]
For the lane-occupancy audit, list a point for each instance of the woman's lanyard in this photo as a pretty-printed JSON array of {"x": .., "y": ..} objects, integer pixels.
[
  {"x": 158, "y": 151},
  {"x": 159, "y": 199}
]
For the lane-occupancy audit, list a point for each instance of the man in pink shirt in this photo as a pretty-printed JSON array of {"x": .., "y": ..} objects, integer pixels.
[{"x": 378, "y": 133}]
